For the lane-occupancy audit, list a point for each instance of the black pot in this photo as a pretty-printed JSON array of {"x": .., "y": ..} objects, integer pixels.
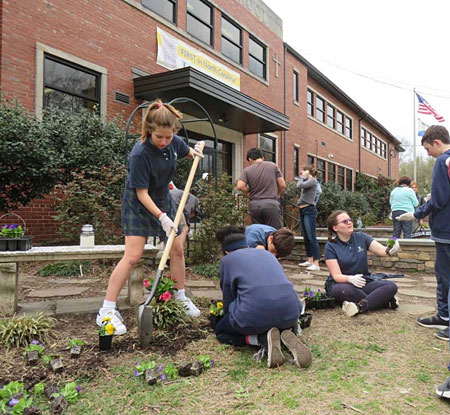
[
  {"x": 25, "y": 243},
  {"x": 305, "y": 320},
  {"x": 12, "y": 244},
  {"x": 3, "y": 244},
  {"x": 213, "y": 320},
  {"x": 105, "y": 342}
]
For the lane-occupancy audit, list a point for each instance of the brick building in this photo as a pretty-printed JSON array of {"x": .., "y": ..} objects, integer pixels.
[{"x": 228, "y": 55}]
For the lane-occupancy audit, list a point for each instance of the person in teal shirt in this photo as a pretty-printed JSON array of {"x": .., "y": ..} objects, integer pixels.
[{"x": 403, "y": 200}]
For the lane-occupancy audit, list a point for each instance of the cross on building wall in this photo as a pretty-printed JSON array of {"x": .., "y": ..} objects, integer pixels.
[{"x": 277, "y": 64}]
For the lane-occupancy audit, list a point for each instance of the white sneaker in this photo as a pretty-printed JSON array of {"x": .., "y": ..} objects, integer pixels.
[
  {"x": 116, "y": 321},
  {"x": 305, "y": 264},
  {"x": 313, "y": 267},
  {"x": 191, "y": 309},
  {"x": 350, "y": 309}
]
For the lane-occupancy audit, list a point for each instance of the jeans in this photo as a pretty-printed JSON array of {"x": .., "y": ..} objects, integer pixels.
[
  {"x": 308, "y": 217},
  {"x": 406, "y": 227},
  {"x": 375, "y": 294},
  {"x": 442, "y": 271}
]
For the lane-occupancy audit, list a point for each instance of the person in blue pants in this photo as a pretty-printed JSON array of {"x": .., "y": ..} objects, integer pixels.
[{"x": 436, "y": 142}]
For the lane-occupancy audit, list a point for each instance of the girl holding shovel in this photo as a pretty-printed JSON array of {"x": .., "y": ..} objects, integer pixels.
[{"x": 147, "y": 208}]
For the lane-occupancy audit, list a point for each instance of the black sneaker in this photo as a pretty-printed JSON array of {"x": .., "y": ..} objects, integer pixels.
[
  {"x": 443, "y": 390},
  {"x": 394, "y": 303},
  {"x": 272, "y": 343},
  {"x": 434, "y": 322},
  {"x": 442, "y": 334}
]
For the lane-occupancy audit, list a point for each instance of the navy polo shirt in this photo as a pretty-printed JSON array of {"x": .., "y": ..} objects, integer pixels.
[
  {"x": 153, "y": 169},
  {"x": 351, "y": 255},
  {"x": 257, "y": 234}
]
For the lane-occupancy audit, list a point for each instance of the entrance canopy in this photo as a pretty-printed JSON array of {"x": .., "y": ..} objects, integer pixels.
[{"x": 226, "y": 105}]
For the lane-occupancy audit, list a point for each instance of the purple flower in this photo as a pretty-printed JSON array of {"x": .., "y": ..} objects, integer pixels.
[
  {"x": 137, "y": 373},
  {"x": 13, "y": 402},
  {"x": 311, "y": 294},
  {"x": 78, "y": 388},
  {"x": 212, "y": 362},
  {"x": 163, "y": 377},
  {"x": 35, "y": 342},
  {"x": 13, "y": 226},
  {"x": 159, "y": 368}
]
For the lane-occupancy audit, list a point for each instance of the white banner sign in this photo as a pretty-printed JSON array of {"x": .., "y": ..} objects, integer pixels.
[{"x": 174, "y": 54}]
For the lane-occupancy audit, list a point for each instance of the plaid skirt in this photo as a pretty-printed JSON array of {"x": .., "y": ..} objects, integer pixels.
[{"x": 138, "y": 221}]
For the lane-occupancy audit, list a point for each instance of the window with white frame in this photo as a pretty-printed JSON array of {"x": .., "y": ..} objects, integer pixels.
[
  {"x": 199, "y": 21},
  {"x": 372, "y": 143},
  {"x": 268, "y": 146},
  {"x": 231, "y": 40},
  {"x": 69, "y": 86},
  {"x": 257, "y": 57},
  {"x": 320, "y": 109},
  {"x": 310, "y": 102}
]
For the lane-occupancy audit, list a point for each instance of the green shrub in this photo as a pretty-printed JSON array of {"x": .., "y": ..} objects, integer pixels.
[
  {"x": 218, "y": 207},
  {"x": 21, "y": 331},
  {"x": 168, "y": 314},
  {"x": 94, "y": 197},
  {"x": 65, "y": 269},
  {"x": 208, "y": 270},
  {"x": 37, "y": 155}
]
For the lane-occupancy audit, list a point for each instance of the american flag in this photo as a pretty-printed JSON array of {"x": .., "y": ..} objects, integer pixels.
[{"x": 426, "y": 108}]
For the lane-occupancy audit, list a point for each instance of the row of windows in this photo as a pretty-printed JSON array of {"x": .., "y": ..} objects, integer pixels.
[
  {"x": 200, "y": 24},
  {"x": 331, "y": 172},
  {"x": 324, "y": 112},
  {"x": 372, "y": 143}
]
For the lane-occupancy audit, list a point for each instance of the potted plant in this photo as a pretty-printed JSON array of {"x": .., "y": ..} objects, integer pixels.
[
  {"x": 305, "y": 320},
  {"x": 105, "y": 334},
  {"x": 390, "y": 243},
  {"x": 317, "y": 300},
  {"x": 215, "y": 313},
  {"x": 12, "y": 236}
]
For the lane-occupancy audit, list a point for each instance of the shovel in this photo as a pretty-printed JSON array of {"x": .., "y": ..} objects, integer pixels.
[{"x": 144, "y": 311}]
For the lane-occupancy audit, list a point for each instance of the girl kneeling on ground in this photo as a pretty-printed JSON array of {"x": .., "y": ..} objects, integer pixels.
[
  {"x": 346, "y": 259},
  {"x": 258, "y": 300}
]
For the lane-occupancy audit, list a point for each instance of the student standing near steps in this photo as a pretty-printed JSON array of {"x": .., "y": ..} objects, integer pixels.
[
  {"x": 264, "y": 183},
  {"x": 436, "y": 142},
  {"x": 147, "y": 208}
]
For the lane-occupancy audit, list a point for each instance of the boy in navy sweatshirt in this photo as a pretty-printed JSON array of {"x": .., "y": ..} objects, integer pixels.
[
  {"x": 258, "y": 300},
  {"x": 436, "y": 141}
]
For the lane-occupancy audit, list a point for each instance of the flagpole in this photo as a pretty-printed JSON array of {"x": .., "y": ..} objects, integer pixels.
[{"x": 414, "y": 139}]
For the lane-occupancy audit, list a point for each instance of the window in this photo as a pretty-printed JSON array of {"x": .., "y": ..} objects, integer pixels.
[
  {"x": 340, "y": 122},
  {"x": 268, "y": 146},
  {"x": 320, "y": 170},
  {"x": 199, "y": 20},
  {"x": 383, "y": 150},
  {"x": 341, "y": 176},
  {"x": 331, "y": 172},
  {"x": 330, "y": 116},
  {"x": 231, "y": 40},
  {"x": 373, "y": 143},
  {"x": 348, "y": 127},
  {"x": 69, "y": 86},
  {"x": 311, "y": 160},
  {"x": 295, "y": 86},
  {"x": 320, "y": 108},
  {"x": 165, "y": 8},
  {"x": 296, "y": 161},
  {"x": 363, "y": 137},
  {"x": 349, "y": 179},
  {"x": 257, "y": 58},
  {"x": 309, "y": 102}
]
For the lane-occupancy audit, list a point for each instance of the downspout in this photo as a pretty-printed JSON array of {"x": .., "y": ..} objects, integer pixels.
[
  {"x": 359, "y": 146},
  {"x": 283, "y": 133}
]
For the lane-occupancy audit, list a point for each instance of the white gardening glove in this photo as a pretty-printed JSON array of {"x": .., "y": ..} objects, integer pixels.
[
  {"x": 447, "y": 162},
  {"x": 393, "y": 251},
  {"x": 427, "y": 197},
  {"x": 357, "y": 280},
  {"x": 405, "y": 217},
  {"x": 198, "y": 150},
  {"x": 167, "y": 224}
]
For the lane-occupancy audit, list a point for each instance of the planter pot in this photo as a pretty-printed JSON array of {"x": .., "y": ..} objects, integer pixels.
[
  {"x": 16, "y": 244},
  {"x": 105, "y": 342},
  {"x": 305, "y": 320},
  {"x": 213, "y": 320},
  {"x": 321, "y": 303}
]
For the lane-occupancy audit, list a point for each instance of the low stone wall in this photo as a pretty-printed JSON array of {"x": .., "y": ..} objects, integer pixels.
[
  {"x": 417, "y": 255},
  {"x": 376, "y": 232}
]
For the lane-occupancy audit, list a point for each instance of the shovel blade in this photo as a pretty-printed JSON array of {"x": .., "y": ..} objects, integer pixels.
[{"x": 145, "y": 324}]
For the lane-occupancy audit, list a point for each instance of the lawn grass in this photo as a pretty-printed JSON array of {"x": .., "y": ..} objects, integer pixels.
[{"x": 379, "y": 363}]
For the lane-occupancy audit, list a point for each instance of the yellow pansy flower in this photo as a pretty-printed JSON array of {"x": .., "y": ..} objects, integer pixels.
[
  {"x": 219, "y": 304},
  {"x": 109, "y": 328},
  {"x": 106, "y": 319}
]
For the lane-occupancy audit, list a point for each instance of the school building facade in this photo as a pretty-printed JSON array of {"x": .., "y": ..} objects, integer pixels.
[{"x": 226, "y": 56}]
